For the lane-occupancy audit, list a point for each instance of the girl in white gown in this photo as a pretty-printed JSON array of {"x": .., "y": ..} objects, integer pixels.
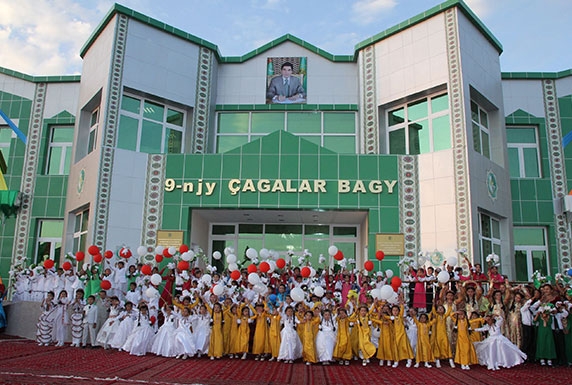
[
  {"x": 62, "y": 319},
  {"x": 164, "y": 341},
  {"x": 326, "y": 338},
  {"x": 184, "y": 339},
  {"x": 202, "y": 330},
  {"x": 139, "y": 341},
  {"x": 497, "y": 350},
  {"x": 290, "y": 344},
  {"x": 109, "y": 328},
  {"x": 126, "y": 320}
]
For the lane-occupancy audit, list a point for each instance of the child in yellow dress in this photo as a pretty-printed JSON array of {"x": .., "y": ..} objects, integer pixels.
[
  {"x": 475, "y": 322},
  {"x": 343, "y": 348},
  {"x": 424, "y": 350},
  {"x": 439, "y": 339},
  {"x": 309, "y": 326},
  {"x": 386, "y": 350},
  {"x": 465, "y": 353},
  {"x": 243, "y": 332},
  {"x": 274, "y": 334},
  {"x": 216, "y": 343},
  {"x": 402, "y": 345},
  {"x": 260, "y": 345},
  {"x": 362, "y": 323}
]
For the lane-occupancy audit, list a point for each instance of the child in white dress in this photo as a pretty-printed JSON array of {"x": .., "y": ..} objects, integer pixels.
[
  {"x": 107, "y": 331},
  {"x": 126, "y": 320},
  {"x": 184, "y": 339},
  {"x": 139, "y": 341},
  {"x": 290, "y": 344},
  {"x": 62, "y": 320},
  {"x": 45, "y": 327},
  {"x": 202, "y": 330},
  {"x": 164, "y": 341},
  {"x": 326, "y": 338}
]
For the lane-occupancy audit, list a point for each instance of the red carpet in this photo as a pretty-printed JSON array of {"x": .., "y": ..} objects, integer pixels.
[{"x": 23, "y": 362}]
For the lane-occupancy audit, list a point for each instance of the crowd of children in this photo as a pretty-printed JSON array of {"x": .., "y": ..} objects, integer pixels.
[{"x": 323, "y": 319}]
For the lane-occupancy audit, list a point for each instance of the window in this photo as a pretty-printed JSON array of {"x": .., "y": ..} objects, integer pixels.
[
  {"x": 489, "y": 236},
  {"x": 419, "y": 127},
  {"x": 523, "y": 153},
  {"x": 49, "y": 240},
  {"x": 530, "y": 252},
  {"x": 481, "y": 133},
  {"x": 59, "y": 152},
  {"x": 80, "y": 230},
  {"x": 150, "y": 127},
  {"x": 5, "y": 141},
  {"x": 334, "y": 130},
  {"x": 93, "y": 124}
]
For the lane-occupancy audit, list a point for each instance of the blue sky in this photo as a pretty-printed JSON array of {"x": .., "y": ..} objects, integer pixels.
[{"x": 43, "y": 37}]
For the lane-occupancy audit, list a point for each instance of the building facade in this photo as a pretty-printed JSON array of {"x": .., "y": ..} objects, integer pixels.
[{"x": 415, "y": 143}]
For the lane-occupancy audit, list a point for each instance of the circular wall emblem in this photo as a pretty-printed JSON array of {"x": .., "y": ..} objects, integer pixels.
[
  {"x": 492, "y": 186},
  {"x": 80, "y": 181}
]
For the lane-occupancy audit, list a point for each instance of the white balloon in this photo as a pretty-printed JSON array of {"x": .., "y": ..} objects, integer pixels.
[
  {"x": 251, "y": 253},
  {"x": 231, "y": 258},
  {"x": 186, "y": 256},
  {"x": 159, "y": 250},
  {"x": 275, "y": 255},
  {"x": 272, "y": 266},
  {"x": 386, "y": 292},
  {"x": 186, "y": 293},
  {"x": 227, "y": 251},
  {"x": 141, "y": 251},
  {"x": 217, "y": 255},
  {"x": 172, "y": 250},
  {"x": 253, "y": 278},
  {"x": 218, "y": 289},
  {"x": 232, "y": 267},
  {"x": 151, "y": 292},
  {"x": 312, "y": 272},
  {"x": 264, "y": 254},
  {"x": 85, "y": 266},
  {"x": 319, "y": 291},
  {"x": 191, "y": 254},
  {"x": 389, "y": 273},
  {"x": 206, "y": 278},
  {"x": 393, "y": 299},
  {"x": 260, "y": 288},
  {"x": 332, "y": 250},
  {"x": 443, "y": 276},
  {"x": 452, "y": 261},
  {"x": 156, "y": 279},
  {"x": 297, "y": 294},
  {"x": 376, "y": 293}
]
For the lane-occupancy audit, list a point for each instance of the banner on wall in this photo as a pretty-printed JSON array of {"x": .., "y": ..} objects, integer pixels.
[{"x": 286, "y": 80}]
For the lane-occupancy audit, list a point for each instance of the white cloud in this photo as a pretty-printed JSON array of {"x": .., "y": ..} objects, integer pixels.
[
  {"x": 41, "y": 37},
  {"x": 481, "y": 8},
  {"x": 367, "y": 11}
]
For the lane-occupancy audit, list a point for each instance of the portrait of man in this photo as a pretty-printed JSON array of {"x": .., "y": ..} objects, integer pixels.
[{"x": 287, "y": 86}]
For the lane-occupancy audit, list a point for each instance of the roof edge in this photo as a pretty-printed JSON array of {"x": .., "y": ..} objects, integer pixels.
[
  {"x": 536, "y": 75},
  {"x": 41, "y": 79}
]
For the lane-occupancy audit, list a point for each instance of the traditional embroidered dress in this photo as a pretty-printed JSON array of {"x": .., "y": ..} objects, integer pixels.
[
  {"x": 45, "y": 326},
  {"x": 164, "y": 341},
  {"x": 290, "y": 344},
  {"x": 465, "y": 351},
  {"x": 107, "y": 331},
  {"x": 326, "y": 340}
]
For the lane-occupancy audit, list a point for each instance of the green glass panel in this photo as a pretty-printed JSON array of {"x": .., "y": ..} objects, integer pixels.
[
  {"x": 484, "y": 118},
  {"x": 440, "y": 103},
  {"x": 397, "y": 141},
  {"x": 477, "y": 138},
  {"x": 316, "y": 247},
  {"x": 339, "y": 123},
  {"x": 316, "y": 231},
  {"x": 513, "y": 164},
  {"x": 485, "y": 226},
  {"x": 521, "y": 135},
  {"x": 91, "y": 140},
  {"x": 245, "y": 243},
  {"x": 496, "y": 249},
  {"x": 266, "y": 122},
  {"x": 84, "y": 220},
  {"x": 348, "y": 249},
  {"x": 417, "y": 110},
  {"x": 175, "y": 117},
  {"x": 396, "y": 117},
  {"x": 5, "y": 135},
  {"x": 67, "y": 160},
  {"x": 228, "y": 142},
  {"x": 304, "y": 122},
  {"x": 250, "y": 229},
  {"x": 153, "y": 111},
  {"x": 419, "y": 138},
  {"x": 539, "y": 261},
  {"x": 521, "y": 265},
  {"x": 127, "y": 133},
  {"x": 54, "y": 160},
  {"x": 94, "y": 118},
  {"x": 341, "y": 144},
  {"x": 283, "y": 237},
  {"x": 223, "y": 229},
  {"x": 314, "y": 139},
  {"x": 233, "y": 123},
  {"x": 496, "y": 228},
  {"x": 531, "y": 162},
  {"x": 485, "y": 144},
  {"x": 474, "y": 112},
  {"x": 441, "y": 133},
  {"x": 51, "y": 229},
  {"x": 62, "y": 135},
  {"x": 130, "y": 104},
  {"x": 487, "y": 247},
  {"x": 345, "y": 231},
  {"x": 151, "y": 137},
  {"x": 529, "y": 236},
  {"x": 173, "y": 141}
]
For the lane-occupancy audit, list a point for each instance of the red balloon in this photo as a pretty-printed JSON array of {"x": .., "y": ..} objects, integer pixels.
[
  {"x": 158, "y": 258},
  {"x": 153, "y": 319},
  {"x": 235, "y": 275},
  {"x": 146, "y": 269},
  {"x": 280, "y": 263},
  {"x": 339, "y": 256},
  {"x": 93, "y": 249},
  {"x": 252, "y": 268},
  {"x": 67, "y": 266},
  {"x": 396, "y": 281},
  {"x": 264, "y": 267},
  {"x": 97, "y": 258},
  {"x": 49, "y": 263},
  {"x": 368, "y": 265},
  {"x": 105, "y": 284},
  {"x": 183, "y": 249},
  {"x": 183, "y": 265},
  {"x": 166, "y": 253},
  {"x": 305, "y": 272},
  {"x": 379, "y": 255},
  {"x": 108, "y": 254},
  {"x": 79, "y": 256}
]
